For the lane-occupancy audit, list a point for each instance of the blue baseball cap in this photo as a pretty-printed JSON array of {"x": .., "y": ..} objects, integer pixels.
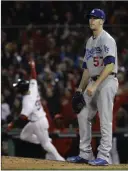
[{"x": 97, "y": 13}]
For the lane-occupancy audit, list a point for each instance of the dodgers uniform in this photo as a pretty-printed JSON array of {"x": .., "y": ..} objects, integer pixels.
[{"x": 97, "y": 49}]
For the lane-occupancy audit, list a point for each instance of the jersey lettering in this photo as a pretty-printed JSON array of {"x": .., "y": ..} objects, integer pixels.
[{"x": 91, "y": 52}]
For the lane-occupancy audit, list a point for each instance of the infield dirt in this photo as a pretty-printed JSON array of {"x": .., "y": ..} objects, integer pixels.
[{"x": 15, "y": 163}]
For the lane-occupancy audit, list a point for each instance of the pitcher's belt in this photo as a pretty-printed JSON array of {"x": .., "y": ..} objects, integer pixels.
[{"x": 94, "y": 78}]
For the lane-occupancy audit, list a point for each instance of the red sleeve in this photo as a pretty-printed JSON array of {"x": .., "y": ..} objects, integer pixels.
[
  {"x": 23, "y": 117},
  {"x": 33, "y": 68},
  {"x": 33, "y": 73}
]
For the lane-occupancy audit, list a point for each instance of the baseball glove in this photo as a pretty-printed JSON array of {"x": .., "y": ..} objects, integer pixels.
[{"x": 78, "y": 102}]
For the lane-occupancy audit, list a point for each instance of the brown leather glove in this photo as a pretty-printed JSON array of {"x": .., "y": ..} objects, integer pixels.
[{"x": 78, "y": 102}]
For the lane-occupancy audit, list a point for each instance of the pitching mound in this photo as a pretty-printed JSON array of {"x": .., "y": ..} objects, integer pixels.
[{"x": 30, "y": 163}]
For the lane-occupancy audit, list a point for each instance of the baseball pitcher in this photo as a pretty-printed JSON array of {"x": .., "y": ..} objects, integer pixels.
[
  {"x": 96, "y": 91},
  {"x": 36, "y": 130}
]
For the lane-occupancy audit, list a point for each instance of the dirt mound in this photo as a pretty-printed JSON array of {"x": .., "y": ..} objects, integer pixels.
[{"x": 30, "y": 163}]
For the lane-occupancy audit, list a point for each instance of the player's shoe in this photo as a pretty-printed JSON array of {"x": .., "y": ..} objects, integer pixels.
[
  {"x": 77, "y": 159},
  {"x": 98, "y": 162}
]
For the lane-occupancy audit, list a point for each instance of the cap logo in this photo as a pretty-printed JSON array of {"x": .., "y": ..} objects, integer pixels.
[{"x": 93, "y": 11}]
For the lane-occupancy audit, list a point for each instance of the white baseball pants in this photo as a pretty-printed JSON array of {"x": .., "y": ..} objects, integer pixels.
[
  {"x": 101, "y": 101},
  {"x": 37, "y": 132}
]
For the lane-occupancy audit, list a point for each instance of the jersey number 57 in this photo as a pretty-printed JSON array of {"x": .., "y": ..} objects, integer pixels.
[{"x": 98, "y": 61}]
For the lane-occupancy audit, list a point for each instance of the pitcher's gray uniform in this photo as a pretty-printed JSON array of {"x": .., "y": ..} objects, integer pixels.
[
  {"x": 102, "y": 100},
  {"x": 36, "y": 131}
]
